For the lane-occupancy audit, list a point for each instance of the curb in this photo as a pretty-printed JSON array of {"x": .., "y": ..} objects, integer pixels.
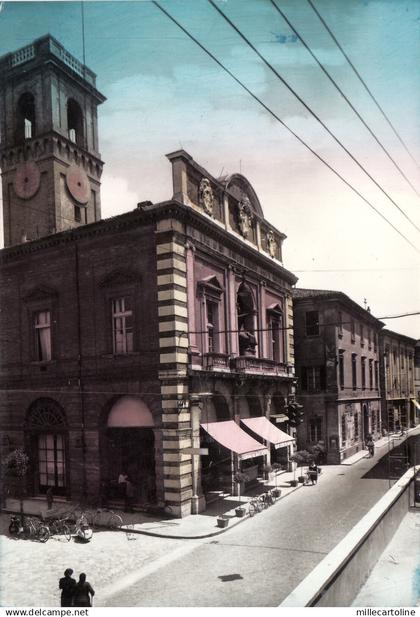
[{"x": 202, "y": 536}]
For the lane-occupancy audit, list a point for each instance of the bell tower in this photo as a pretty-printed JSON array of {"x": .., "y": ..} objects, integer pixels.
[{"x": 49, "y": 157}]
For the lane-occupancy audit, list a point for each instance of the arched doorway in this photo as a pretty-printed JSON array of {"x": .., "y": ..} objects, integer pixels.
[
  {"x": 47, "y": 437},
  {"x": 128, "y": 448}
]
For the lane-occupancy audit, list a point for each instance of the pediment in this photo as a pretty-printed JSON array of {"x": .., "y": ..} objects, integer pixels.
[
  {"x": 275, "y": 308},
  {"x": 120, "y": 277},
  {"x": 40, "y": 292},
  {"x": 211, "y": 283}
]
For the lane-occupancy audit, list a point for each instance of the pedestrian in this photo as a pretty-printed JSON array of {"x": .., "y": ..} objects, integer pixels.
[
  {"x": 370, "y": 445},
  {"x": 67, "y": 585},
  {"x": 83, "y": 592},
  {"x": 129, "y": 496},
  {"x": 313, "y": 472},
  {"x": 122, "y": 484}
]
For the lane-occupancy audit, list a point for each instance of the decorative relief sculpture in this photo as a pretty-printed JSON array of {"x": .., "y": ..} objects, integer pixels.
[
  {"x": 245, "y": 216},
  {"x": 205, "y": 196},
  {"x": 271, "y": 244}
]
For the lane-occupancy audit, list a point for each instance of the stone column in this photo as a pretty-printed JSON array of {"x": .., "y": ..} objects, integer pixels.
[{"x": 198, "y": 502}]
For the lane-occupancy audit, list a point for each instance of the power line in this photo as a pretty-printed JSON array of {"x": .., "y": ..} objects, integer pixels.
[
  {"x": 274, "y": 115},
  {"x": 356, "y": 72},
  {"x": 322, "y": 67},
  {"x": 310, "y": 110}
]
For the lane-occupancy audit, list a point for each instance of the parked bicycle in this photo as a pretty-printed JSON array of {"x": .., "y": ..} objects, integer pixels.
[
  {"x": 103, "y": 517},
  {"x": 59, "y": 527},
  {"x": 28, "y": 527},
  {"x": 255, "y": 505}
]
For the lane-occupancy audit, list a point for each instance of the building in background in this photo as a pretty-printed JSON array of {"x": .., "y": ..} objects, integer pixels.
[
  {"x": 337, "y": 367},
  {"x": 399, "y": 405},
  {"x": 128, "y": 343},
  {"x": 416, "y": 400}
]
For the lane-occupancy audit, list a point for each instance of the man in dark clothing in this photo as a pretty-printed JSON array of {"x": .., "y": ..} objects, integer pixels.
[
  {"x": 83, "y": 592},
  {"x": 67, "y": 586},
  {"x": 313, "y": 473}
]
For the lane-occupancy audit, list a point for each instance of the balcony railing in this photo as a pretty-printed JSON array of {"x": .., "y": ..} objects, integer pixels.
[
  {"x": 214, "y": 361},
  {"x": 250, "y": 364}
]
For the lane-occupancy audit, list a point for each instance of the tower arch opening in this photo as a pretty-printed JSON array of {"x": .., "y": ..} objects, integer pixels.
[
  {"x": 26, "y": 128},
  {"x": 75, "y": 123}
]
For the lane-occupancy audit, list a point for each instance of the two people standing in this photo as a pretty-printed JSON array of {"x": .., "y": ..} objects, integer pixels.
[{"x": 75, "y": 594}]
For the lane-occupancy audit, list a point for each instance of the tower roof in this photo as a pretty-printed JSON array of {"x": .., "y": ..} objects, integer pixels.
[{"x": 48, "y": 49}]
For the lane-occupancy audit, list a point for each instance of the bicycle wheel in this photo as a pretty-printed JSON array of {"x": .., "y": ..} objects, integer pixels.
[
  {"x": 252, "y": 509},
  {"x": 66, "y": 532},
  {"x": 115, "y": 521},
  {"x": 260, "y": 505},
  {"x": 43, "y": 533},
  {"x": 14, "y": 528}
]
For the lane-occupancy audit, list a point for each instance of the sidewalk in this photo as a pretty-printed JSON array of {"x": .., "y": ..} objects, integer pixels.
[
  {"x": 380, "y": 443},
  {"x": 203, "y": 525}
]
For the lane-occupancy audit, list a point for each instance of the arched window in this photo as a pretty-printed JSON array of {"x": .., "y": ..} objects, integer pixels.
[
  {"x": 26, "y": 117},
  {"x": 46, "y": 426},
  {"x": 75, "y": 122},
  {"x": 246, "y": 320}
]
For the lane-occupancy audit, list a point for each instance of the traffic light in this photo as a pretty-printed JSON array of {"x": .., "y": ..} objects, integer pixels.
[{"x": 295, "y": 413}]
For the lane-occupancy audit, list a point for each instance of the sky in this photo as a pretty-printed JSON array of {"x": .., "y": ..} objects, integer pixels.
[{"x": 165, "y": 93}]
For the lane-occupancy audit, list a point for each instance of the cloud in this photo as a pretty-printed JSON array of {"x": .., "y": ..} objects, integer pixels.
[{"x": 116, "y": 197}]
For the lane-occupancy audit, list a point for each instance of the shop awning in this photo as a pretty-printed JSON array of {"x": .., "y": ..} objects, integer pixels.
[
  {"x": 263, "y": 427},
  {"x": 415, "y": 403},
  {"x": 232, "y": 437}
]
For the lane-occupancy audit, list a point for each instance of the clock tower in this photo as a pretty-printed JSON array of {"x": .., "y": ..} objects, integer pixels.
[{"x": 49, "y": 157}]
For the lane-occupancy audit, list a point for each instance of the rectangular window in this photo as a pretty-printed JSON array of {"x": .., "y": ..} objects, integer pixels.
[
  {"x": 122, "y": 325},
  {"x": 363, "y": 367},
  {"x": 211, "y": 327},
  {"x": 352, "y": 330},
  {"x": 356, "y": 426},
  {"x": 362, "y": 336},
  {"x": 312, "y": 323},
  {"x": 343, "y": 429},
  {"x": 340, "y": 324},
  {"x": 354, "y": 370},
  {"x": 370, "y": 374},
  {"x": 275, "y": 338},
  {"x": 51, "y": 462},
  {"x": 77, "y": 214},
  {"x": 376, "y": 375},
  {"x": 402, "y": 359},
  {"x": 315, "y": 430},
  {"x": 42, "y": 327},
  {"x": 313, "y": 378},
  {"x": 341, "y": 368}
]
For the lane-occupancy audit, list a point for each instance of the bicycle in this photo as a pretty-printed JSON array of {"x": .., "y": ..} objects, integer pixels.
[
  {"x": 60, "y": 527},
  {"x": 104, "y": 517},
  {"x": 255, "y": 505}
]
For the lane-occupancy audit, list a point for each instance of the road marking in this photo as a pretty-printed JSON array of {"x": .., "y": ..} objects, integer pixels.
[{"x": 130, "y": 579}]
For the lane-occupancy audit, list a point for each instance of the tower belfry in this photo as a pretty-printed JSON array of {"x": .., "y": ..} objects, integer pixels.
[{"x": 49, "y": 157}]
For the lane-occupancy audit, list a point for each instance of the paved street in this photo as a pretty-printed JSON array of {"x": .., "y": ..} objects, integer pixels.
[
  {"x": 259, "y": 562},
  {"x": 255, "y": 564}
]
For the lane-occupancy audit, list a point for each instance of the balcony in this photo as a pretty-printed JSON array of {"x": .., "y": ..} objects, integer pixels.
[
  {"x": 216, "y": 361},
  {"x": 251, "y": 364}
]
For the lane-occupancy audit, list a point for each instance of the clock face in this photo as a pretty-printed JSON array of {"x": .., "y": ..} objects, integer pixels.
[
  {"x": 78, "y": 184},
  {"x": 27, "y": 180}
]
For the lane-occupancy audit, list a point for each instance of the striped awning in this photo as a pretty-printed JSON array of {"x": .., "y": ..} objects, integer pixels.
[{"x": 230, "y": 435}]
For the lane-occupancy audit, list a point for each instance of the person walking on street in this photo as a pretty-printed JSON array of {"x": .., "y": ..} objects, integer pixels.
[
  {"x": 313, "y": 473},
  {"x": 370, "y": 444},
  {"x": 67, "y": 585},
  {"x": 83, "y": 592}
]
